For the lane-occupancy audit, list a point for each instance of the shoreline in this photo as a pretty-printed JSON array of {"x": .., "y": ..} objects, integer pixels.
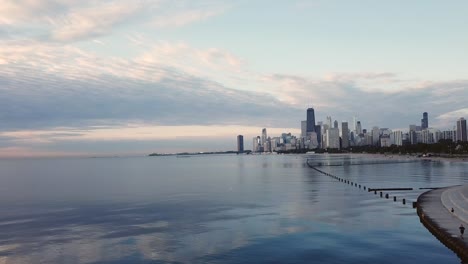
[{"x": 440, "y": 222}]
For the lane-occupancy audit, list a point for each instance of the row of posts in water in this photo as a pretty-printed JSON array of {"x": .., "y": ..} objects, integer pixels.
[{"x": 358, "y": 185}]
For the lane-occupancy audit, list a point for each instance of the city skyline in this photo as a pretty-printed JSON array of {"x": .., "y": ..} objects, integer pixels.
[
  {"x": 331, "y": 136},
  {"x": 121, "y": 77}
]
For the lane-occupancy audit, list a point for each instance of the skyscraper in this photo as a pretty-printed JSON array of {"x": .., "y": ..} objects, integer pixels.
[
  {"x": 358, "y": 127},
  {"x": 353, "y": 125},
  {"x": 335, "y": 124},
  {"x": 240, "y": 144},
  {"x": 303, "y": 129},
  {"x": 375, "y": 136},
  {"x": 329, "y": 122},
  {"x": 310, "y": 120},
  {"x": 264, "y": 136},
  {"x": 461, "y": 130},
  {"x": 344, "y": 135},
  {"x": 333, "y": 138},
  {"x": 425, "y": 121}
]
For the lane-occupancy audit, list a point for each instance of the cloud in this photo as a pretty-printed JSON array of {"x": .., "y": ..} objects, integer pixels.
[
  {"x": 381, "y": 99},
  {"x": 448, "y": 119},
  {"x": 54, "y": 85},
  {"x": 185, "y": 17},
  {"x": 73, "y": 20},
  {"x": 93, "y": 21}
]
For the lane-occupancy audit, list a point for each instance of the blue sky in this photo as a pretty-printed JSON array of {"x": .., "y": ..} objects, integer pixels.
[{"x": 119, "y": 77}]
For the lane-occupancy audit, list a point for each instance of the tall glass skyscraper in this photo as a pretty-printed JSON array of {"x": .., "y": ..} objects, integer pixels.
[
  {"x": 425, "y": 121},
  {"x": 310, "y": 120},
  {"x": 461, "y": 130},
  {"x": 240, "y": 144}
]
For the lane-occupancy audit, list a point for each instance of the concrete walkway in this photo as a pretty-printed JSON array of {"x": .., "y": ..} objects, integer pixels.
[{"x": 434, "y": 211}]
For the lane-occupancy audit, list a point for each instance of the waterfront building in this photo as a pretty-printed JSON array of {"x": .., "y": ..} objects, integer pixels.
[
  {"x": 450, "y": 134},
  {"x": 353, "y": 125},
  {"x": 406, "y": 139},
  {"x": 275, "y": 142},
  {"x": 358, "y": 128},
  {"x": 413, "y": 135},
  {"x": 333, "y": 138},
  {"x": 304, "y": 128},
  {"x": 267, "y": 145},
  {"x": 375, "y": 136},
  {"x": 425, "y": 121},
  {"x": 396, "y": 138},
  {"x": 385, "y": 141},
  {"x": 329, "y": 122},
  {"x": 257, "y": 144},
  {"x": 419, "y": 136},
  {"x": 344, "y": 135},
  {"x": 367, "y": 139},
  {"x": 335, "y": 124},
  {"x": 310, "y": 120},
  {"x": 427, "y": 137},
  {"x": 312, "y": 140},
  {"x": 461, "y": 130},
  {"x": 318, "y": 131},
  {"x": 240, "y": 144},
  {"x": 264, "y": 136}
]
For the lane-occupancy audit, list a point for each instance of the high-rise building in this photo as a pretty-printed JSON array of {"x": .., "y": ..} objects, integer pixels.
[
  {"x": 310, "y": 120},
  {"x": 385, "y": 141},
  {"x": 375, "y": 136},
  {"x": 303, "y": 129},
  {"x": 344, "y": 135},
  {"x": 396, "y": 138},
  {"x": 267, "y": 145},
  {"x": 264, "y": 136},
  {"x": 425, "y": 121},
  {"x": 461, "y": 130},
  {"x": 427, "y": 136},
  {"x": 335, "y": 124},
  {"x": 450, "y": 134},
  {"x": 353, "y": 125},
  {"x": 240, "y": 144},
  {"x": 413, "y": 137},
  {"x": 329, "y": 122},
  {"x": 358, "y": 128},
  {"x": 318, "y": 131},
  {"x": 333, "y": 138},
  {"x": 254, "y": 144}
]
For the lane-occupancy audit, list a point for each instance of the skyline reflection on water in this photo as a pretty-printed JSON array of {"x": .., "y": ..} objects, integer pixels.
[{"x": 216, "y": 209}]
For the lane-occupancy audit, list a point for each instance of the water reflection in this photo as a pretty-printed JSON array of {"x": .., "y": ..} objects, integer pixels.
[{"x": 205, "y": 210}]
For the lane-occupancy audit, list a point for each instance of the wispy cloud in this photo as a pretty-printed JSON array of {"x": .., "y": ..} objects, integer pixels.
[
  {"x": 72, "y": 20},
  {"x": 93, "y": 21},
  {"x": 182, "y": 18}
]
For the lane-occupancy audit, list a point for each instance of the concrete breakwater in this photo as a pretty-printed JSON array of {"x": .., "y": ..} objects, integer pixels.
[{"x": 441, "y": 222}]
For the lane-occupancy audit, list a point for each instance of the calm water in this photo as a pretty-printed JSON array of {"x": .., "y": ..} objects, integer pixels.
[{"x": 215, "y": 209}]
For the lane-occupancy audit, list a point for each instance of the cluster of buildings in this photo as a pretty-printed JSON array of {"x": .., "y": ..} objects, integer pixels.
[{"x": 333, "y": 135}]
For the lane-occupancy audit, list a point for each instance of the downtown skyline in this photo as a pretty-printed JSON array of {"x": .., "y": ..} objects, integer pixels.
[
  {"x": 128, "y": 77},
  {"x": 334, "y": 135}
]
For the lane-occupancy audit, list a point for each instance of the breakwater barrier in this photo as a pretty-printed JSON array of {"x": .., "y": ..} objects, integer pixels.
[
  {"x": 390, "y": 189},
  {"x": 338, "y": 164},
  {"x": 363, "y": 187},
  {"x": 431, "y": 209}
]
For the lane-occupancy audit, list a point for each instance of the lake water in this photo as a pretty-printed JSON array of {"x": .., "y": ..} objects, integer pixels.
[{"x": 216, "y": 209}]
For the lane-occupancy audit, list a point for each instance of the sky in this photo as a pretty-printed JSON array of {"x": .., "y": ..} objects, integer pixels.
[{"x": 132, "y": 77}]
